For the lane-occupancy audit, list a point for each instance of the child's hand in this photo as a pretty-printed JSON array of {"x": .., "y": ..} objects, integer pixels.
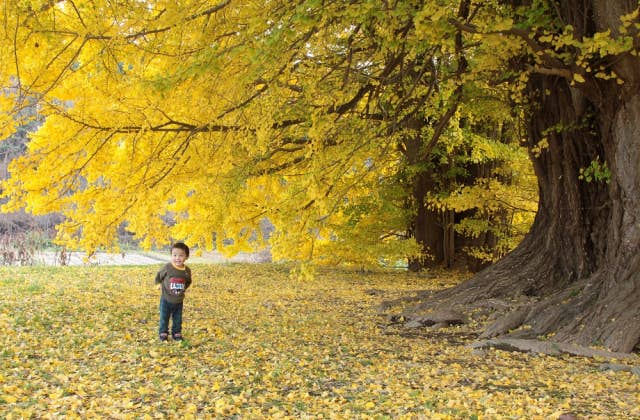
[{"x": 159, "y": 286}]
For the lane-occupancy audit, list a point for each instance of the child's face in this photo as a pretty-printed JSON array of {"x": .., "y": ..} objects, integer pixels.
[{"x": 178, "y": 257}]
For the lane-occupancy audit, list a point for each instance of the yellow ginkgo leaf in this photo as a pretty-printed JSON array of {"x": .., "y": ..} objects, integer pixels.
[{"x": 577, "y": 77}]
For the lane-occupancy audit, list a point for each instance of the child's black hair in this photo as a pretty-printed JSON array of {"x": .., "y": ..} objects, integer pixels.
[{"x": 182, "y": 246}]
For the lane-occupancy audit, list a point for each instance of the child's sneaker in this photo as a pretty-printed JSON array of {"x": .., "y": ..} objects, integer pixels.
[
  {"x": 177, "y": 337},
  {"x": 164, "y": 336}
]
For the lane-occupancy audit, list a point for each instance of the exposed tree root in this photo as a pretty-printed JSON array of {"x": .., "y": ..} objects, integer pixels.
[
  {"x": 584, "y": 315},
  {"x": 551, "y": 348}
]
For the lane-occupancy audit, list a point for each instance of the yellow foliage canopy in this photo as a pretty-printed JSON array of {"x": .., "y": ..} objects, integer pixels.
[{"x": 198, "y": 120}]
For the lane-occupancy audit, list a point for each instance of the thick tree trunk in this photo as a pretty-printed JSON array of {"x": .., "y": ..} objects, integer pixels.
[
  {"x": 579, "y": 267},
  {"x": 582, "y": 256},
  {"x": 590, "y": 231},
  {"x": 426, "y": 226}
]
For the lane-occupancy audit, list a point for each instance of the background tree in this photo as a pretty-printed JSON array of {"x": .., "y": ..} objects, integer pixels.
[{"x": 37, "y": 229}]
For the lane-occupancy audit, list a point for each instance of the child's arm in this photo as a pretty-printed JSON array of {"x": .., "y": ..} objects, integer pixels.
[
  {"x": 188, "y": 283},
  {"x": 158, "y": 279}
]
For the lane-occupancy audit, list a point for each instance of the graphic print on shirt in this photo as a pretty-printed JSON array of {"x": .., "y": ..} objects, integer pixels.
[{"x": 176, "y": 285}]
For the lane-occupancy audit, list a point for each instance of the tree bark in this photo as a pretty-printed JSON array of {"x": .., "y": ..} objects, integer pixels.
[
  {"x": 580, "y": 263},
  {"x": 426, "y": 226}
]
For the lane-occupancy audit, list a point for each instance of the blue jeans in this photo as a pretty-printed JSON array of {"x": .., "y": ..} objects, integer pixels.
[{"x": 170, "y": 310}]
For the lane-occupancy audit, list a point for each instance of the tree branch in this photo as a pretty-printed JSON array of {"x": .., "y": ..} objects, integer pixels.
[{"x": 554, "y": 65}]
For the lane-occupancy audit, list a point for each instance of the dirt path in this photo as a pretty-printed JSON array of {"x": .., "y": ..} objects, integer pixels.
[{"x": 146, "y": 258}]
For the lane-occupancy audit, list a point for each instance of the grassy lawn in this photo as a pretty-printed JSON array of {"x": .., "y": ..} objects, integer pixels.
[{"x": 81, "y": 342}]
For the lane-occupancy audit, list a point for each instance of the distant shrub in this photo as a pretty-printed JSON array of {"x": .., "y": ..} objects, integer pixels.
[{"x": 16, "y": 249}]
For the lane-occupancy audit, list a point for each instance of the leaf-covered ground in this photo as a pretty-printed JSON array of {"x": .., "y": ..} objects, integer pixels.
[{"x": 81, "y": 342}]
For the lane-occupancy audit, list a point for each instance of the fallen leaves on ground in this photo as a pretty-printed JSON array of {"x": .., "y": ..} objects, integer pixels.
[{"x": 81, "y": 342}]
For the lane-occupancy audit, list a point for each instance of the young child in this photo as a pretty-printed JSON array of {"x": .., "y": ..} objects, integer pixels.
[{"x": 174, "y": 279}]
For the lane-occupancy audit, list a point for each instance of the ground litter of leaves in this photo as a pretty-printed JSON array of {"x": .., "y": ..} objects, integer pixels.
[{"x": 81, "y": 342}]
